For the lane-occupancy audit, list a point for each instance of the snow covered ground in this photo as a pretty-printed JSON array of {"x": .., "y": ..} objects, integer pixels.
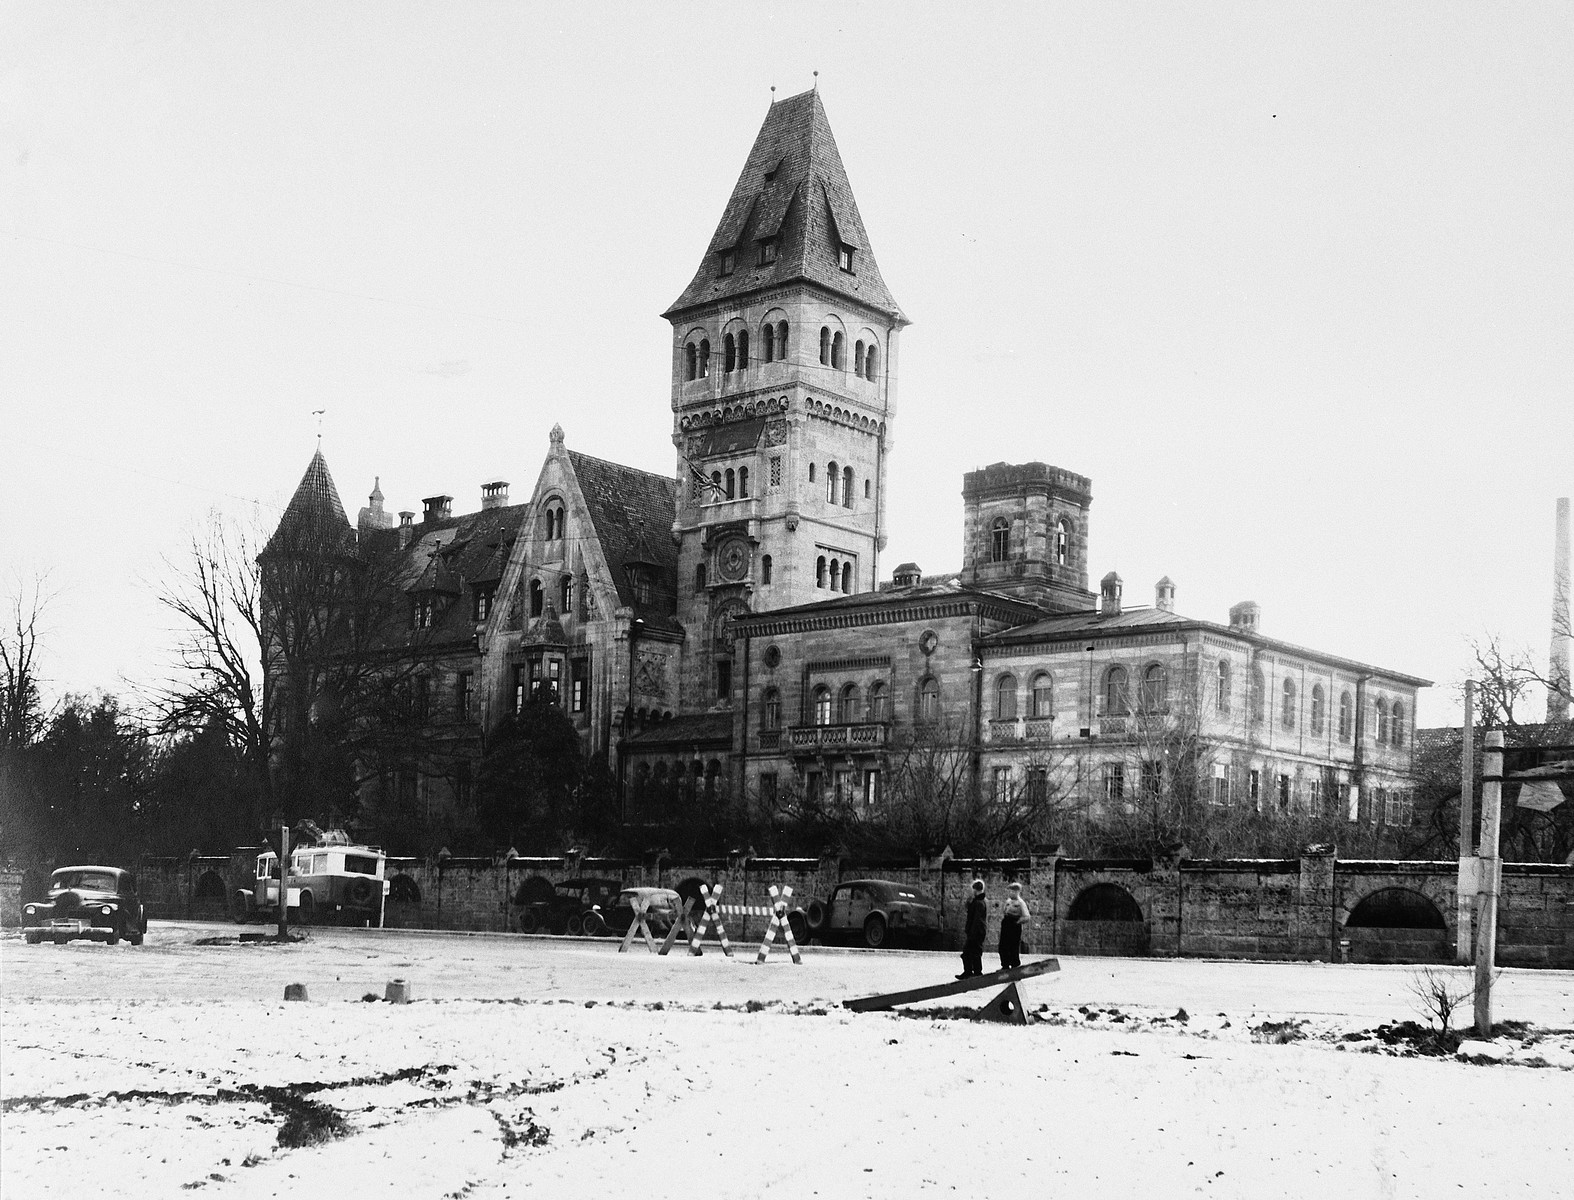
[{"x": 533, "y": 1066}]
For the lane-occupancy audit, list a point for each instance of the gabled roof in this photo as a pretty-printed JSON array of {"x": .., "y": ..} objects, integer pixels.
[
  {"x": 686, "y": 730},
  {"x": 632, "y": 512},
  {"x": 793, "y": 188},
  {"x": 315, "y": 503}
]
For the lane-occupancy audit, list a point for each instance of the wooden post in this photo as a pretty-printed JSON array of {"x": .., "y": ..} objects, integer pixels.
[
  {"x": 284, "y": 882},
  {"x": 1490, "y": 874},
  {"x": 1464, "y": 893}
]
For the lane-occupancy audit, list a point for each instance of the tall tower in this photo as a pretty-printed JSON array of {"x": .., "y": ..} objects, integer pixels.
[
  {"x": 1558, "y": 666},
  {"x": 783, "y": 391}
]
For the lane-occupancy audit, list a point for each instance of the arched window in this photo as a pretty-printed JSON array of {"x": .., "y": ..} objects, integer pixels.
[
  {"x": 858, "y": 358},
  {"x": 830, "y": 483},
  {"x": 1222, "y": 696},
  {"x": 838, "y": 351},
  {"x": 699, "y": 577},
  {"x": 781, "y": 341},
  {"x": 743, "y": 482},
  {"x": 1346, "y": 716},
  {"x": 1287, "y": 715},
  {"x": 551, "y": 524},
  {"x": 1000, "y": 540},
  {"x": 1155, "y": 688},
  {"x": 729, "y": 483},
  {"x": 770, "y": 342},
  {"x": 743, "y": 350},
  {"x": 566, "y": 595},
  {"x": 847, "y": 577},
  {"x": 1319, "y": 708},
  {"x": 1259, "y": 695},
  {"x": 872, "y": 361},
  {"x": 852, "y": 705},
  {"x": 866, "y": 489},
  {"x": 1396, "y": 729},
  {"x": 765, "y": 568},
  {"x": 811, "y": 472},
  {"x": 825, "y": 346},
  {"x": 1062, "y": 542},
  {"x": 771, "y": 709},
  {"x": 822, "y": 705},
  {"x": 929, "y": 700},
  {"x": 1382, "y": 722},
  {"x": 538, "y": 598},
  {"x": 879, "y": 703},
  {"x": 729, "y": 354},
  {"x": 836, "y": 575},
  {"x": 1043, "y": 696},
  {"x": 691, "y": 361},
  {"x": 847, "y": 487},
  {"x": 819, "y": 572},
  {"x": 704, "y": 358},
  {"x": 1006, "y": 698},
  {"x": 1116, "y": 699}
]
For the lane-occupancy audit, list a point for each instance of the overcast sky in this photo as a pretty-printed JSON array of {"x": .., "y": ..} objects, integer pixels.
[{"x": 1291, "y": 283}]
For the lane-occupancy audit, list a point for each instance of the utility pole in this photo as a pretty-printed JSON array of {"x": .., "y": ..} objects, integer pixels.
[
  {"x": 1465, "y": 890},
  {"x": 1491, "y": 871},
  {"x": 284, "y": 882}
]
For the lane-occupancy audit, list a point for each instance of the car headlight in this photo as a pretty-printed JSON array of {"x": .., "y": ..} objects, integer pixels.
[
  {"x": 107, "y": 909},
  {"x": 31, "y": 909}
]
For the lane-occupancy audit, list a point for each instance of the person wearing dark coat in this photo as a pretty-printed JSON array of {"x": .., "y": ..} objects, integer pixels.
[
  {"x": 1013, "y": 920},
  {"x": 977, "y": 926}
]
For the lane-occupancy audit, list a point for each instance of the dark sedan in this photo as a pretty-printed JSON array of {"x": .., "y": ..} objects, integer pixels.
[
  {"x": 98, "y": 903},
  {"x": 876, "y": 911}
]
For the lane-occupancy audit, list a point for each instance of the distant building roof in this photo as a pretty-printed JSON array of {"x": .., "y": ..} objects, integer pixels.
[
  {"x": 693, "y": 729},
  {"x": 632, "y": 512}
]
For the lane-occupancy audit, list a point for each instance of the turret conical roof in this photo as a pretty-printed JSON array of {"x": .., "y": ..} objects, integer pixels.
[
  {"x": 794, "y": 192},
  {"x": 314, "y": 505}
]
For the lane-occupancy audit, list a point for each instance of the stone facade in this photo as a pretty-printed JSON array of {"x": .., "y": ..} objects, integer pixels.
[{"x": 1308, "y": 909}]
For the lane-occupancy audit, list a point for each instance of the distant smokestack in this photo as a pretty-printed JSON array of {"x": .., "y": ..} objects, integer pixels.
[
  {"x": 1558, "y": 660},
  {"x": 1164, "y": 595},
  {"x": 494, "y": 495}
]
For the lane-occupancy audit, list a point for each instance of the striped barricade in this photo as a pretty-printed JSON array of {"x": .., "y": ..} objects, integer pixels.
[
  {"x": 711, "y": 918},
  {"x": 779, "y": 898}
]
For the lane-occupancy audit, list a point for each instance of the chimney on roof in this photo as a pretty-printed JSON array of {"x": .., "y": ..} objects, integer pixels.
[
  {"x": 1246, "y": 616},
  {"x": 907, "y": 575},
  {"x": 1109, "y": 595},
  {"x": 406, "y": 527},
  {"x": 436, "y": 508},
  {"x": 494, "y": 494},
  {"x": 1164, "y": 595}
]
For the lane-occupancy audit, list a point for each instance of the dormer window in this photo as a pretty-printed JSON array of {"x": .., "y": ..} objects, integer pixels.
[
  {"x": 767, "y": 252},
  {"x": 727, "y": 259},
  {"x": 483, "y": 602},
  {"x": 844, "y": 258}
]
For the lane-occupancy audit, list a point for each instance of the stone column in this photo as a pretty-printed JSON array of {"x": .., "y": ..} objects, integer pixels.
[{"x": 1315, "y": 936}]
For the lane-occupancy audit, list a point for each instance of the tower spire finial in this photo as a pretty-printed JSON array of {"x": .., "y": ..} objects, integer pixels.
[
  {"x": 816, "y": 81},
  {"x": 318, "y": 412}
]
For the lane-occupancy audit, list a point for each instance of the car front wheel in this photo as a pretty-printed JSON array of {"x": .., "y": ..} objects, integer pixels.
[
  {"x": 874, "y": 931},
  {"x": 593, "y": 925}
]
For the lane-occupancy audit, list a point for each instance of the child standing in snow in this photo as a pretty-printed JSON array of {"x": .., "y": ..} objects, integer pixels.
[{"x": 1013, "y": 920}]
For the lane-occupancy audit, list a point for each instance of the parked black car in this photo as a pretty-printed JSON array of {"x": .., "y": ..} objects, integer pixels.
[
  {"x": 99, "y": 903},
  {"x": 561, "y": 908},
  {"x": 877, "y": 912},
  {"x": 661, "y": 911}
]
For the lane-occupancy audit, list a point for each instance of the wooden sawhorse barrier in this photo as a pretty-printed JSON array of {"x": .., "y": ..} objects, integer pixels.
[{"x": 1006, "y": 1007}]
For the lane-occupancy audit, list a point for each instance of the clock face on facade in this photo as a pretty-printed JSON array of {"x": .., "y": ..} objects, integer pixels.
[{"x": 732, "y": 560}]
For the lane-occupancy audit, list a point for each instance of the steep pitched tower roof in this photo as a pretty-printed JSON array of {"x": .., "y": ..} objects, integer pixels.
[
  {"x": 793, "y": 192},
  {"x": 316, "y": 500}
]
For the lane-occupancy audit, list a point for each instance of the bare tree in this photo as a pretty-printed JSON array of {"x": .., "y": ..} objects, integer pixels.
[{"x": 22, "y": 713}]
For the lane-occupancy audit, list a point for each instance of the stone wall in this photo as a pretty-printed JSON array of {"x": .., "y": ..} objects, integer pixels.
[{"x": 1289, "y": 909}]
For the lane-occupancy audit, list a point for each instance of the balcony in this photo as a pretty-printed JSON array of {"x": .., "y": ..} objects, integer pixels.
[{"x": 836, "y": 739}]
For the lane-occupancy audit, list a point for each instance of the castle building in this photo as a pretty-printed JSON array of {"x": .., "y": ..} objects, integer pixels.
[{"x": 725, "y": 632}]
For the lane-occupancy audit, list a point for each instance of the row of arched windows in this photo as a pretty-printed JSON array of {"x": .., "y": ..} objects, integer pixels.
[
  {"x": 773, "y": 344},
  {"x": 735, "y": 351},
  {"x": 1152, "y": 694},
  {"x": 838, "y": 579},
  {"x": 554, "y": 521},
  {"x": 730, "y": 484},
  {"x": 1388, "y": 717},
  {"x": 1041, "y": 697},
  {"x": 1000, "y": 541}
]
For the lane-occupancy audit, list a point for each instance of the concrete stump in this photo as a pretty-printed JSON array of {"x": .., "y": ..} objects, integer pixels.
[
  {"x": 398, "y": 992},
  {"x": 295, "y": 991}
]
